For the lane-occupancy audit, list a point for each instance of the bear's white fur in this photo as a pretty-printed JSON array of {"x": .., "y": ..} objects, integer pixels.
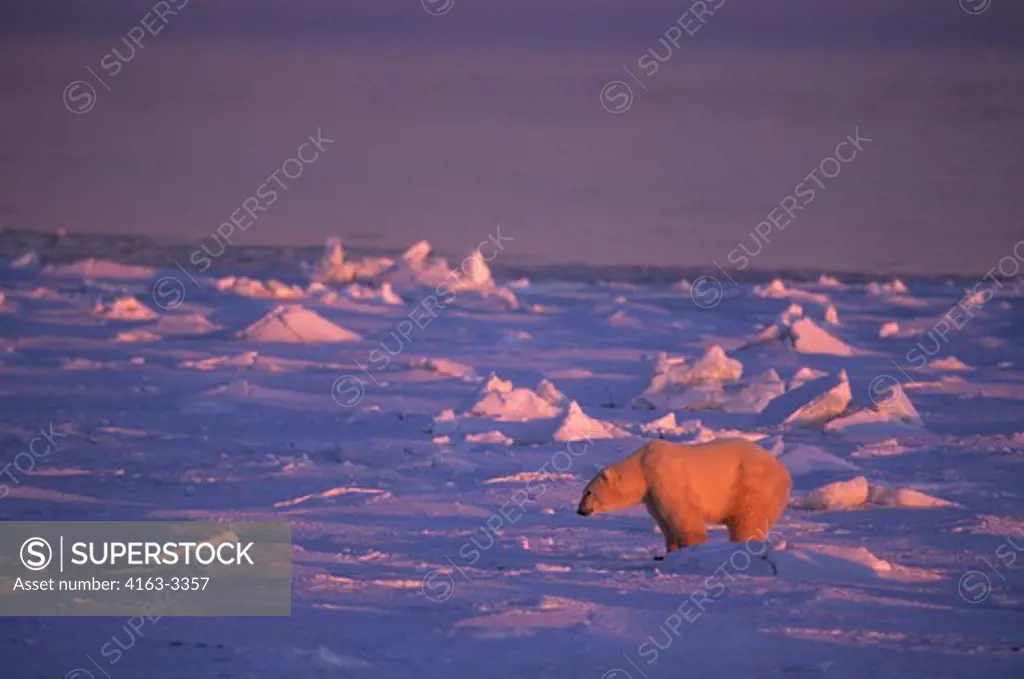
[{"x": 684, "y": 487}]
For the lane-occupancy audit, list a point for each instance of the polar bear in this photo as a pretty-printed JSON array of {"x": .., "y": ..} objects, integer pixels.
[{"x": 685, "y": 487}]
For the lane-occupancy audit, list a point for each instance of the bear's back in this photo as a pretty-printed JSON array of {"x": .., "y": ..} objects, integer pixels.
[
  {"x": 711, "y": 471},
  {"x": 719, "y": 454}
]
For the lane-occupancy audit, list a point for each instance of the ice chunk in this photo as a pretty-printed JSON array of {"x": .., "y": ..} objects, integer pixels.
[
  {"x": 836, "y": 495},
  {"x": 809, "y": 405},
  {"x": 896, "y": 287},
  {"x": 6, "y": 306},
  {"x": 491, "y": 437},
  {"x": 250, "y": 287},
  {"x": 906, "y": 498},
  {"x": 804, "y": 375},
  {"x": 499, "y": 400},
  {"x": 809, "y": 338},
  {"x": 27, "y": 260},
  {"x": 804, "y": 335},
  {"x": 754, "y": 397},
  {"x": 889, "y": 329},
  {"x": 295, "y": 323},
  {"x": 666, "y": 424},
  {"x": 99, "y": 268},
  {"x": 184, "y": 324},
  {"x": 715, "y": 365},
  {"x": 778, "y": 290},
  {"x": 444, "y": 367},
  {"x": 857, "y": 492},
  {"x": 950, "y": 363},
  {"x": 832, "y": 315},
  {"x": 829, "y": 281},
  {"x": 806, "y": 459},
  {"x": 124, "y": 309},
  {"x": 386, "y": 293},
  {"x": 578, "y": 426},
  {"x": 676, "y": 385},
  {"x": 550, "y": 393}
]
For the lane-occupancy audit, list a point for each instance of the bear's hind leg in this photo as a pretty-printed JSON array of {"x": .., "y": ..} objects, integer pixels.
[
  {"x": 761, "y": 499},
  {"x": 741, "y": 530}
]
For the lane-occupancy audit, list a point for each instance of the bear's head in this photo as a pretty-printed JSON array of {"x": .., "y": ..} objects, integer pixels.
[{"x": 603, "y": 494}]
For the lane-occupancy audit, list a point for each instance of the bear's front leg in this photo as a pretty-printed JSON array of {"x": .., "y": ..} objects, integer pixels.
[
  {"x": 672, "y": 540},
  {"x": 680, "y": 523}
]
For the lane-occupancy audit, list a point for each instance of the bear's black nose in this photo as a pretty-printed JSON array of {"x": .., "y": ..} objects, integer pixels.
[{"x": 583, "y": 512}]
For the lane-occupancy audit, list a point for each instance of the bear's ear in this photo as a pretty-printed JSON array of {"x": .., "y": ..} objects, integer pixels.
[{"x": 609, "y": 475}]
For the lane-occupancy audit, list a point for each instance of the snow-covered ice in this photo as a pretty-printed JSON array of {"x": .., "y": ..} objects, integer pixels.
[{"x": 431, "y": 474}]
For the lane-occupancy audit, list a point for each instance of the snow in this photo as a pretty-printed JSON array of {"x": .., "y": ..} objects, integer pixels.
[
  {"x": 893, "y": 504},
  {"x": 806, "y": 562},
  {"x": 295, "y": 323}
]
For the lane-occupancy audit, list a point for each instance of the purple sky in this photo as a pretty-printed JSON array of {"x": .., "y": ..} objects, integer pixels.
[{"x": 491, "y": 113}]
